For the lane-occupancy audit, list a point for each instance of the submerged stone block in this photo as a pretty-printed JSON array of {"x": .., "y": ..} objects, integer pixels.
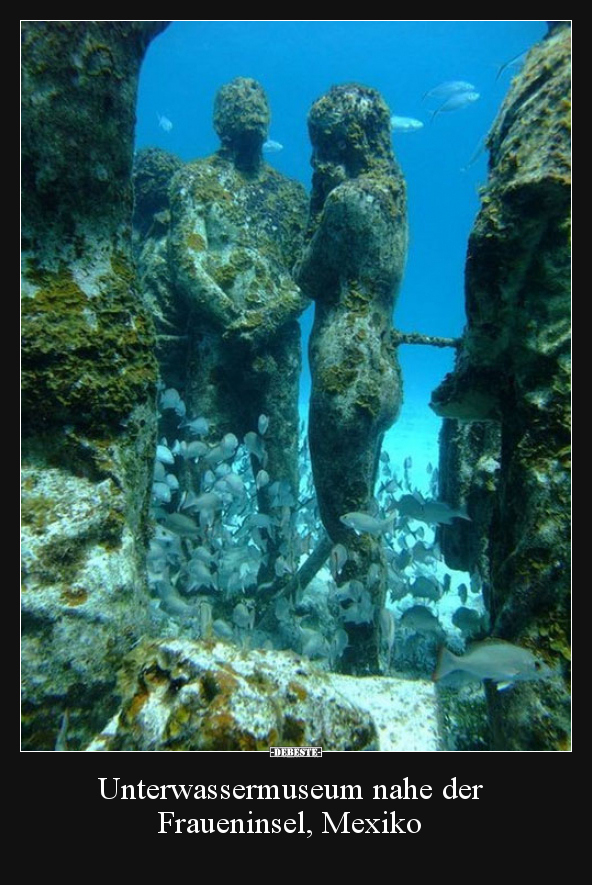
[{"x": 183, "y": 695}]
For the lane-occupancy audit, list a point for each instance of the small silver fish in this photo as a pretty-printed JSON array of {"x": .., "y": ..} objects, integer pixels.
[
  {"x": 194, "y": 450},
  {"x": 450, "y": 87},
  {"x": 205, "y": 501},
  {"x": 515, "y": 62},
  {"x": 164, "y": 454},
  {"x": 60, "y": 744},
  {"x": 255, "y": 446},
  {"x": 272, "y": 147},
  {"x": 364, "y": 524},
  {"x": 493, "y": 659},
  {"x": 229, "y": 444},
  {"x": 164, "y": 122},
  {"x": 222, "y": 629},
  {"x": 169, "y": 399},
  {"x": 262, "y": 479},
  {"x": 181, "y": 525},
  {"x": 456, "y": 102},
  {"x": 172, "y": 482},
  {"x": 243, "y": 616},
  {"x": 339, "y": 643},
  {"x": 161, "y": 491},
  {"x": 197, "y": 427},
  {"x": 386, "y": 627},
  {"x": 405, "y": 124}
]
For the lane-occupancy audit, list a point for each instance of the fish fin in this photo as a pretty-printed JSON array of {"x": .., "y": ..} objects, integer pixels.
[{"x": 501, "y": 70}]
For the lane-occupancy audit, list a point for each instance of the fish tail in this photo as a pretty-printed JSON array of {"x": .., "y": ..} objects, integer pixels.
[{"x": 447, "y": 662}]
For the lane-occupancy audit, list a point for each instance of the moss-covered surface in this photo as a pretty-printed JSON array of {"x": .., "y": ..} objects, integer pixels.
[
  {"x": 87, "y": 355},
  {"x": 88, "y": 376},
  {"x": 514, "y": 366}
]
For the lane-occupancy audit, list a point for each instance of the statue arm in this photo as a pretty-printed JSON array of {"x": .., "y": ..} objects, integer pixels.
[
  {"x": 358, "y": 236},
  {"x": 255, "y": 325},
  {"x": 187, "y": 254}
]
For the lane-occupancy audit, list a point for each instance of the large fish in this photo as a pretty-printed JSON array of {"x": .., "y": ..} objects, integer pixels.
[{"x": 493, "y": 659}]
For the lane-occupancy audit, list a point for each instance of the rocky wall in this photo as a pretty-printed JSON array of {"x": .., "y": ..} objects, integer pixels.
[{"x": 88, "y": 375}]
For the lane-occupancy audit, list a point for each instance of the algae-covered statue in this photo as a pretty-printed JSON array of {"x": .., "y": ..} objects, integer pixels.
[
  {"x": 236, "y": 229},
  {"x": 352, "y": 268}
]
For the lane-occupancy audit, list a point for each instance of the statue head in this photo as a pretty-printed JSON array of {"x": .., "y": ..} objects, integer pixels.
[
  {"x": 241, "y": 120},
  {"x": 350, "y": 128}
]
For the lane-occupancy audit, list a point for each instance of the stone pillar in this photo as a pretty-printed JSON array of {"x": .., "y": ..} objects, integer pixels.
[
  {"x": 514, "y": 366},
  {"x": 352, "y": 268},
  {"x": 88, "y": 376}
]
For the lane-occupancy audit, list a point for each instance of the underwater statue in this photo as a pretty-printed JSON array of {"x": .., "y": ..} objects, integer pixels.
[
  {"x": 513, "y": 369},
  {"x": 352, "y": 267},
  {"x": 236, "y": 229}
]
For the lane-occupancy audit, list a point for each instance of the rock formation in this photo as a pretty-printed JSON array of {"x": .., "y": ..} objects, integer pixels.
[
  {"x": 88, "y": 375},
  {"x": 514, "y": 368}
]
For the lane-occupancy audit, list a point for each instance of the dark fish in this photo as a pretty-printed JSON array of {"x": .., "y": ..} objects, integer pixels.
[
  {"x": 420, "y": 618},
  {"x": 467, "y": 620},
  {"x": 426, "y": 588}
]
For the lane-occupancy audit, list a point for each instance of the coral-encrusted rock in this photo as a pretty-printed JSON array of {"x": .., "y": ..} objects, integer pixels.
[
  {"x": 514, "y": 367},
  {"x": 182, "y": 695},
  {"x": 88, "y": 375}
]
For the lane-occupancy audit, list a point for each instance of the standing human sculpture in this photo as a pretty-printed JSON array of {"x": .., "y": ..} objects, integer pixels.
[
  {"x": 235, "y": 232},
  {"x": 352, "y": 267}
]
